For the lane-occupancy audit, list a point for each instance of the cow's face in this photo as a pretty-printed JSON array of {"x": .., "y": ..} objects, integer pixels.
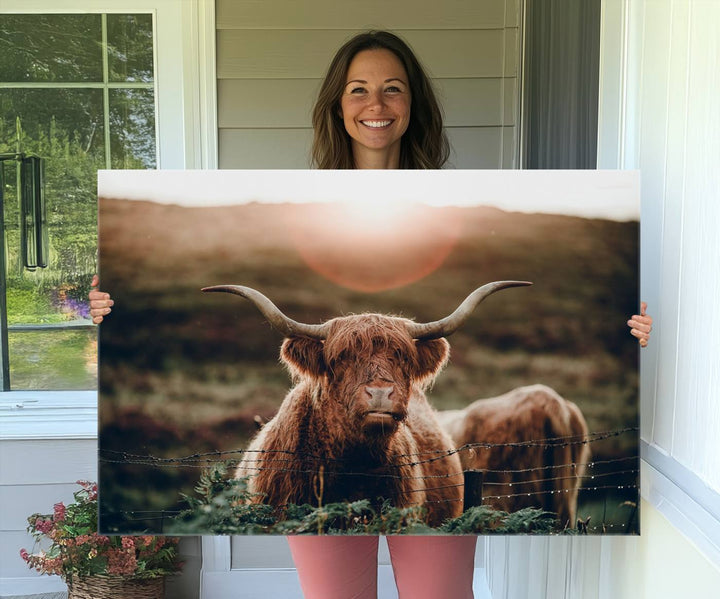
[{"x": 368, "y": 365}]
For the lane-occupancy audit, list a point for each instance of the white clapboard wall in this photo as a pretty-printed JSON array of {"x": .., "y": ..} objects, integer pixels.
[
  {"x": 36, "y": 474},
  {"x": 271, "y": 58},
  {"x": 48, "y": 441}
]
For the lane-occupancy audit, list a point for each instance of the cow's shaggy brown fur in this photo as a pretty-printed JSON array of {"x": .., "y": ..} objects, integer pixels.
[
  {"x": 325, "y": 427},
  {"x": 526, "y": 414}
]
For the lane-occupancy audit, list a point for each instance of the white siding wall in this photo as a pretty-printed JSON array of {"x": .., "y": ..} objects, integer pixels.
[
  {"x": 36, "y": 474},
  {"x": 272, "y": 56},
  {"x": 660, "y": 85}
]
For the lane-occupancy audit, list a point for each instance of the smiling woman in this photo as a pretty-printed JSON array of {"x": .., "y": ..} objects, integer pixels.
[{"x": 365, "y": 102}]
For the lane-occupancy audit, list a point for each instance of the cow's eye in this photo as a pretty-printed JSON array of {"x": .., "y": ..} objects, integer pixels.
[
  {"x": 340, "y": 358},
  {"x": 336, "y": 372}
]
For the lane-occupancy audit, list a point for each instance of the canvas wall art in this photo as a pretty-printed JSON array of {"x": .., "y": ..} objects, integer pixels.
[{"x": 369, "y": 352}]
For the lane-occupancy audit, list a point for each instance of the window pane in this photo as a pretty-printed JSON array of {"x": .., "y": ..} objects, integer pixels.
[
  {"x": 132, "y": 128},
  {"x": 53, "y": 360},
  {"x": 130, "y": 47},
  {"x": 65, "y": 127},
  {"x": 50, "y": 48},
  {"x": 54, "y": 122}
]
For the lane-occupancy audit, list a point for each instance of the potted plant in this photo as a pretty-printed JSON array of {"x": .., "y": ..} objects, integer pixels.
[{"x": 96, "y": 566}]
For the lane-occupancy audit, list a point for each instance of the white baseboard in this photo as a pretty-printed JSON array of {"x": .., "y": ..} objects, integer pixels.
[{"x": 284, "y": 584}]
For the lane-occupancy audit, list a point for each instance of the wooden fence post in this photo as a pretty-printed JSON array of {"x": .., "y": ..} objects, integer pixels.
[{"x": 473, "y": 488}]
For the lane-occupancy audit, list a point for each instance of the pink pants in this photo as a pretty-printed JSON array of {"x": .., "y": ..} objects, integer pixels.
[{"x": 346, "y": 567}]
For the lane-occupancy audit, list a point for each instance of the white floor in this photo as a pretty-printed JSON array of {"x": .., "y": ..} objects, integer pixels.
[
  {"x": 257, "y": 583},
  {"x": 35, "y": 587}
]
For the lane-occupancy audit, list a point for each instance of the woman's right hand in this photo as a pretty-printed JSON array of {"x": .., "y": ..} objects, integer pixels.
[{"x": 100, "y": 302}]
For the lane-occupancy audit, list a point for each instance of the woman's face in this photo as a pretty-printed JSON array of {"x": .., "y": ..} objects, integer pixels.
[{"x": 375, "y": 103}]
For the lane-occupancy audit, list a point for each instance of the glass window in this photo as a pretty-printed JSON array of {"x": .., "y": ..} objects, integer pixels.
[
  {"x": 77, "y": 90},
  {"x": 130, "y": 47},
  {"x": 132, "y": 128},
  {"x": 38, "y": 48}
]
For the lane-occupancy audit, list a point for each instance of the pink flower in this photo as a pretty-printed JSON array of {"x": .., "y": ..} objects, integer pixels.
[
  {"x": 59, "y": 512},
  {"x": 25, "y": 555},
  {"x": 128, "y": 542},
  {"x": 53, "y": 565},
  {"x": 44, "y": 526},
  {"x": 89, "y": 488},
  {"x": 144, "y": 541}
]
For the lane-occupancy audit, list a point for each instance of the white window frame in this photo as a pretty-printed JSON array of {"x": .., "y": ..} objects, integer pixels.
[{"x": 186, "y": 129}]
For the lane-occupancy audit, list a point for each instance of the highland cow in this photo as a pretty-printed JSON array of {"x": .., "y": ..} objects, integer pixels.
[
  {"x": 357, "y": 424},
  {"x": 531, "y": 445}
]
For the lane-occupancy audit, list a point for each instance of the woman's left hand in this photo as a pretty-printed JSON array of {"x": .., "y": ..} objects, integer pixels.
[
  {"x": 641, "y": 325},
  {"x": 100, "y": 302}
]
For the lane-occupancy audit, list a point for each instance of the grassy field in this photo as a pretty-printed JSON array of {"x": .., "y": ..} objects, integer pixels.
[
  {"x": 53, "y": 360},
  {"x": 182, "y": 372}
]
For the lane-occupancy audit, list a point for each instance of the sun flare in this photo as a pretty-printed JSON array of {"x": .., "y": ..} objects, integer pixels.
[{"x": 373, "y": 245}]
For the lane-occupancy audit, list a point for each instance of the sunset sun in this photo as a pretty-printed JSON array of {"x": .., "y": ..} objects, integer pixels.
[{"x": 377, "y": 214}]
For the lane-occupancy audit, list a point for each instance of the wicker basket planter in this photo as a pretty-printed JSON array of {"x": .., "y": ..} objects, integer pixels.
[{"x": 116, "y": 587}]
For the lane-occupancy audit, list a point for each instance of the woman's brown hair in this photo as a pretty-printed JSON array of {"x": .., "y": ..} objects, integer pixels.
[{"x": 424, "y": 144}]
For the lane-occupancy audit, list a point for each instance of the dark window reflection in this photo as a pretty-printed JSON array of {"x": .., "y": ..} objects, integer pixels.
[
  {"x": 39, "y": 48},
  {"x": 130, "y": 47},
  {"x": 53, "y": 116},
  {"x": 132, "y": 128}
]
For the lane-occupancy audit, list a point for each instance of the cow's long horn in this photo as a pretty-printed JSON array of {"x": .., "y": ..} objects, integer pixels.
[
  {"x": 278, "y": 320},
  {"x": 450, "y": 324}
]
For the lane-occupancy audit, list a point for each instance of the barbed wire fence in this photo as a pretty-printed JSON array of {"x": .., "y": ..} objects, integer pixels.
[{"x": 481, "y": 487}]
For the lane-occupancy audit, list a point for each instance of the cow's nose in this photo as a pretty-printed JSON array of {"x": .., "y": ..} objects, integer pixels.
[{"x": 379, "y": 398}]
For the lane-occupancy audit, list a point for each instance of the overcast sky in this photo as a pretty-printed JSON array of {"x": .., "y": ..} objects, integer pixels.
[{"x": 589, "y": 193}]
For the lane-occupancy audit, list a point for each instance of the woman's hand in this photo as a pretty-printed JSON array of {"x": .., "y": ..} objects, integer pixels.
[
  {"x": 100, "y": 303},
  {"x": 641, "y": 325}
]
